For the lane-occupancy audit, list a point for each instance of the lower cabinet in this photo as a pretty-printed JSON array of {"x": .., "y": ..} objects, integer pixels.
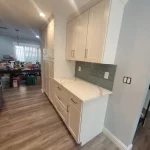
[
  {"x": 74, "y": 121},
  {"x": 84, "y": 119},
  {"x": 48, "y": 74},
  {"x": 46, "y": 85},
  {"x": 51, "y": 89},
  {"x": 62, "y": 113}
]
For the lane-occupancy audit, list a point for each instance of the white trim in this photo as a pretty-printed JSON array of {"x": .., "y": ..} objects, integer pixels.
[
  {"x": 124, "y": 1},
  {"x": 116, "y": 141}
]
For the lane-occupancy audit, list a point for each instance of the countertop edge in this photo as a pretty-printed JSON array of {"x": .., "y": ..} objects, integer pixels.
[{"x": 85, "y": 100}]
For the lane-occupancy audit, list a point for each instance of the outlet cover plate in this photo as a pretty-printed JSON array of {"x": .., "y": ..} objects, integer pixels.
[
  {"x": 106, "y": 75},
  {"x": 79, "y": 69}
]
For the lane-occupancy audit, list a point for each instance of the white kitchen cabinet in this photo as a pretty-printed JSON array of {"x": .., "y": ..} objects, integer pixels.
[
  {"x": 62, "y": 95},
  {"x": 47, "y": 45},
  {"x": 74, "y": 117},
  {"x": 99, "y": 39},
  {"x": 45, "y": 66},
  {"x": 71, "y": 39},
  {"x": 51, "y": 90},
  {"x": 79, "y": 31},
  {"x": 48, "y": 76},
  {"x": 96, "y": 32},
  {"x": 50, "y": 35},
  {"x": 44, "y": 39},
  {"x": 84, "y": 118},
  {"x": 48, "y": 40},
  {"x": 63, "y": 114}
]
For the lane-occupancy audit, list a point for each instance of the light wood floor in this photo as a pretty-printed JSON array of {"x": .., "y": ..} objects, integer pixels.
[{"x": 29, "y": 122}]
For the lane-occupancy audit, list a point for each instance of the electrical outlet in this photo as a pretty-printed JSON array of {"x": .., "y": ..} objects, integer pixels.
[
  {"x": 127, "y": 80},
  {"x": 79, "y": 68},
  {"x": 106, "y": 75}
]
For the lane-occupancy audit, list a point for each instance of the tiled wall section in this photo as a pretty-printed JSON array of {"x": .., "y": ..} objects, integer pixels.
[{"x": 94, "y": 73}]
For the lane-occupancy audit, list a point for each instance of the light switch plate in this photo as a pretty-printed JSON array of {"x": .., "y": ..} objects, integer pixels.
[
  {"x": 125, "y": 80},
  {"x": 106, "y": 75},
  {"x": 79, "y": 68},
  {"x": 129, "y": 81}
]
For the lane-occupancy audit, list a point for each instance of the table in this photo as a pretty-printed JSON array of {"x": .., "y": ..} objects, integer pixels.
[{"x": 12, "y": 72}]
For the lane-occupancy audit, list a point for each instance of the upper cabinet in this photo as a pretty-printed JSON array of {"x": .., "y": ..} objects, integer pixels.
[
  {"x": 71, "y": 39},
  {"x": 48, "y": 39},
  {"x": 76, "y": 37},
  {"x": 96, "y": 33},
  {"x": 93, "y": 36},
  {"x": 50, "y": 35}
]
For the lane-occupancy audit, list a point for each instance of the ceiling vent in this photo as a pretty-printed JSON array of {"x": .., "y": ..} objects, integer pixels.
[{"x": 4, "y": 28}]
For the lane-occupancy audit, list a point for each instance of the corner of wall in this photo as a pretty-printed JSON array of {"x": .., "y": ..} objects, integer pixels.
[{"x": 116, "y": 141}]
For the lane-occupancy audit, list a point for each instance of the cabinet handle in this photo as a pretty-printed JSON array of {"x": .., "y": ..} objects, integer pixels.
[
  {"x": 67, "y": 108},
  {"x": 73, "y": 101},
  {"x": 73, "y": 53},
  {"x": 86, "y": 52},
  {"x": 59, "y": 88}
]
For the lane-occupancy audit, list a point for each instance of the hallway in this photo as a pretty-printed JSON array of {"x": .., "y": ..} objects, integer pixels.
[{"x": 29, "y": 122}]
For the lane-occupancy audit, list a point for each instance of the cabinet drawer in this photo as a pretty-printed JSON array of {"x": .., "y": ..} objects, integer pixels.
[
  {"x": 77, "y": 103},
  {"x": 62, "y": 95},
  {"x": 63, "y": 114}
]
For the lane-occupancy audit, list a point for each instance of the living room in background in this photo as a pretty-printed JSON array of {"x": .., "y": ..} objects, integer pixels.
[{"x": 27, "y": 52}]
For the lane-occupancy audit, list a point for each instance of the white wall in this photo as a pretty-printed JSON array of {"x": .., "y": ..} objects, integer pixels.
[
  {"x": 133, "y": 60},
  {"x": 147, "y": 100},
  {"x": 62, "y": 67},
  {"x": 6, "y": 44}
]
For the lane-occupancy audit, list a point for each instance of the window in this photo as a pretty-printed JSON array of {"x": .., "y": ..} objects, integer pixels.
[{"x": 27, "y": 53}]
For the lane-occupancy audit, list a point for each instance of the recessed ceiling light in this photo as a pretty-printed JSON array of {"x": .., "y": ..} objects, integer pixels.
[
  {"x": 42, "y": 14},
  {"x": 37, "y": 36}
]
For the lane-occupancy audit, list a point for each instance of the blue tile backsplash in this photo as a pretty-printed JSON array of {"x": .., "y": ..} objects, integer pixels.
[{"x": 94, "y": 73}]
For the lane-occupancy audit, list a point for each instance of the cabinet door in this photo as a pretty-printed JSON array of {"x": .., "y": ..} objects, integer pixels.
[
  {"x": 45, "y": 37},
  {"x": 71, "y": 39},
  {"x": 51, "y": 68},
  {"x": 82, "y": 24},
  {"x": 51, "y": 90},
  {"x": 96, "y": 32},
  {"x": 50, "y": 38},
  {"x": 50, "y": 35},
  {"x": 62, "y": 95},
  {"x": 44, "y": 73},
  {"x": 74, "y": 121},
  {"x": 46, "y": 85}
]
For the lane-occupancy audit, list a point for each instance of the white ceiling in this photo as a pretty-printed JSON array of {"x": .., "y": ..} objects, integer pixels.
[{"x": 24, "y": 14}]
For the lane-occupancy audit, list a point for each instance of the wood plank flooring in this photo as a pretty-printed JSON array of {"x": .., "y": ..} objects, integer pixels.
[
  {"x": 142, "y": 136},
  {"x": 29, "y": 122}
]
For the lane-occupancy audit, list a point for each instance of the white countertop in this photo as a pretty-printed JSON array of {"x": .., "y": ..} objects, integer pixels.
[{"x": 82, "y": 89}]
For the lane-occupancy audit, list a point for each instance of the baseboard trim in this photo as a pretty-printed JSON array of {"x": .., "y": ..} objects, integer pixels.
[{"x": 116, "y": 141}]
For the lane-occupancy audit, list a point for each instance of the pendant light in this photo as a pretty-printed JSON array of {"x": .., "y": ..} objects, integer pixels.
[{"x": 17, "y": 36}]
